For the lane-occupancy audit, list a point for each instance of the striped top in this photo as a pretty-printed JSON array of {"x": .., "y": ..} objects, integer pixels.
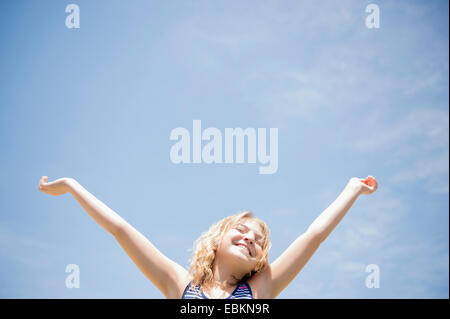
[{"x": 242, "y": 291}]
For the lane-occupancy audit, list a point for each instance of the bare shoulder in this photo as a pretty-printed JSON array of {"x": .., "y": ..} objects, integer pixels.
[{"x": 260, "y": 283}]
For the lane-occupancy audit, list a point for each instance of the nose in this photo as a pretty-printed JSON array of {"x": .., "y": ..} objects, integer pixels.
[{"x": 248, "y": 239}]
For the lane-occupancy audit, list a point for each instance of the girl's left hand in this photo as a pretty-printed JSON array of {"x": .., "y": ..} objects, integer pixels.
[
  {"x": 364, "y": 186},
  {"x": 57, "y": 187}
]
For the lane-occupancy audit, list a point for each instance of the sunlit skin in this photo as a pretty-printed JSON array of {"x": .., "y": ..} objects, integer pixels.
[
  {"x": 236, "y": 256},
  {"x": 237, "y": 253}
]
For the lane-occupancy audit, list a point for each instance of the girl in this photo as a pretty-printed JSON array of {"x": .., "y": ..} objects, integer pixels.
[{"x": 230, "y": 259}]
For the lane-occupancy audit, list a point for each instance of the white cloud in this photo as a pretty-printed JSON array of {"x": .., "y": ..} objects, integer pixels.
[
  {"x": 435, "y": 82},
  {"x": 425, "y": 168},
  {"x": 22, "y": 249},
  {"x": 417, "y": 143},
  {"x": 372, "y": 233},
  {"x": 425, "y": 127},
  {"x": 357, "y": 268}
]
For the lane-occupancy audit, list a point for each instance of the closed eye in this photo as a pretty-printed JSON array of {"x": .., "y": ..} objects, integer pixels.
[{"x": 244, "y": 229}]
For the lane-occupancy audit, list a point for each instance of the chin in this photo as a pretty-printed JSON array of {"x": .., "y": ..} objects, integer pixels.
[{"x": 237, "y": 252}]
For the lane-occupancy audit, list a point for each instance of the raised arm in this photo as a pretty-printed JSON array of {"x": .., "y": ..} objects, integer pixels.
[
  {"x": 284, "y": 269},
  {"x": 165, "y": 274}
]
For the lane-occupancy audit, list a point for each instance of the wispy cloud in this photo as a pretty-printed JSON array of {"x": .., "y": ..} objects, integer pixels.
[
  {"x": 376, "y": 99},
  {"x": 418, "y": 143},
  {"x": 424, "y": 128},
  {"x": 372, "y": 233},
  {"x": 436, "y": 82},
  {"x": 22, "y": 249}
]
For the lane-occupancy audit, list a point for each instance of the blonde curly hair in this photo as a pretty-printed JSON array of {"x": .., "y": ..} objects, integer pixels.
[{"x": 205, "y": 247}]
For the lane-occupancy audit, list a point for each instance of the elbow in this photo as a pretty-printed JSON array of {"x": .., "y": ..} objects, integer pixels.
[
  {"x": 116, "y": 230},
  {"x": 317, "y": 235}
]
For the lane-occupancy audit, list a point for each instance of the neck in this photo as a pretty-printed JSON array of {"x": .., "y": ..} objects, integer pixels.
[{"x": 225, "y": 276}]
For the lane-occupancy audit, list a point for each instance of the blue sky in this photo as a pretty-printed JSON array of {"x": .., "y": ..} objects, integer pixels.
[{"x": 98, "y": 104}]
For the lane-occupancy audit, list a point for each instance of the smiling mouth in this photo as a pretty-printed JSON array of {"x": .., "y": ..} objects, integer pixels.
[{"x": 248, "y": 249}]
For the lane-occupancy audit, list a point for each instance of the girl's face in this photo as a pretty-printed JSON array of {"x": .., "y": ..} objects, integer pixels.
[{"x": 244, "y": 242}]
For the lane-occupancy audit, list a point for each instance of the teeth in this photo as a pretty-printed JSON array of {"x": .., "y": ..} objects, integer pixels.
[{"x": 248, "y": 249}]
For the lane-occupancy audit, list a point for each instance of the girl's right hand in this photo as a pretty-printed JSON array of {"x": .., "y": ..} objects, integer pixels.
[{"x": 57, "y": 187}]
